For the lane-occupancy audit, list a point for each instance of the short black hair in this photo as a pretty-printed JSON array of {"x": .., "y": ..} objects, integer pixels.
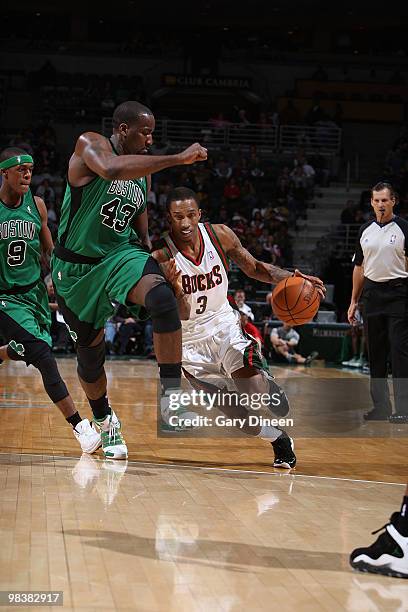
[
  {"x": 385, "y": 185},
  {"x": 129, "y": 112},
  {"x": 11, "y": 152},
  {"x": 181, "y": 193}
]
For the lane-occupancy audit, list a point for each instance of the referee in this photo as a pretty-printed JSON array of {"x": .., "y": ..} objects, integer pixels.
[{"x": 380, "y": 277}]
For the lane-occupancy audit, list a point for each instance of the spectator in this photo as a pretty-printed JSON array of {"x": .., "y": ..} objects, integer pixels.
[
  {"x": 315, "y": 113},
  {"x": 129, "y": 329},
  {"x": 46, "y": 192},
  {"x": 223, "y": 169},
  {"x": 348, "y": 214},
  {"x": 289, "y": 115},
  {"x": 239, "y": 297},
  {"x": 232, "y": 190},
  {"x": 251, "y": 329},
  {"x": 284, "y": 340},
  {"x": 148, "y": 340}
]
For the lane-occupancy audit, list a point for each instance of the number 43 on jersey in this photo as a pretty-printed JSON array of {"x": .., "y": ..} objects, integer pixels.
[{"x": 110, "y": 214}]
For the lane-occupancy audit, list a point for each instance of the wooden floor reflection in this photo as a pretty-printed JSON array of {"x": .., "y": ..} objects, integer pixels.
[
  {"x": 195, "y": 523},
  {"x": 376, "y": 451},
  {"x": 134, "y": 536}
]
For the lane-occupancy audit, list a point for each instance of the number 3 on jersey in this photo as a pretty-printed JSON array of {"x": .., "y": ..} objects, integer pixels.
[
  {"x": 16, "y": 252},
  {"x": 202, "y": 300},
  {"x": 109, "y": 212}
]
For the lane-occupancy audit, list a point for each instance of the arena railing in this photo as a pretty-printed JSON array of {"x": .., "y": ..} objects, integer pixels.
[
  {"x": 322, "y": 137},
  {"x": 284, "y": 138},
  {"x": 339, "y": 240}
]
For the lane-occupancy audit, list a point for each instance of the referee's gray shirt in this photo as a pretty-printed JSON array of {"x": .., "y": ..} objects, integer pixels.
[{"x": 382, "y": 248}]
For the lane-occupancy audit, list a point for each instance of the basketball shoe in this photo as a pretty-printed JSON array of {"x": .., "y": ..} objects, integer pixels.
[
  {"x": 311, "y": 357},
  {"x": 113, "y": 443},
  {"x": 173, "y": 413},
  {"x": 87, "y": 436},
  {"x": 283, "y": 449},
  {"x": 399, "y": 419},
  {"x": 388, "y": 555}
]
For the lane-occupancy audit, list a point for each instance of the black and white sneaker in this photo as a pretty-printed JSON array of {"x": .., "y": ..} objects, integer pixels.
[
  {"x": 398, "y": 419},
  {"x": 284, "y": 455},
  {"x": 388, "y": 555}
]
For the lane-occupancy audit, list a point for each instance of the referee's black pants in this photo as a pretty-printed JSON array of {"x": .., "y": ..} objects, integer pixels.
[{"x": 386, "y": 330}]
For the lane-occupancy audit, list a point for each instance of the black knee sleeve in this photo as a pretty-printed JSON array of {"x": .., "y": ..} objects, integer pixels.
[
  {"x": 53, "y": 383},
  {"x": 90, "y": 361},
  {"x": 161, "y": 305}
]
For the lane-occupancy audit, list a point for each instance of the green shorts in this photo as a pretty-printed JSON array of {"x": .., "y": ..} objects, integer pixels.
[
  {"x": 30, "y": 311},
  {"x": 85, "y": 292}
]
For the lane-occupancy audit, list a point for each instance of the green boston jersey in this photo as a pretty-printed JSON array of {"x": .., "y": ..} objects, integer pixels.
[
  {"x": 20, "y": 247},
  {"x": 97, "y": 218}
]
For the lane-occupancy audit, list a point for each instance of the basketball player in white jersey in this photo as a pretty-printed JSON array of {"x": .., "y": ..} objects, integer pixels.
[{"x": 194, "y": 257}]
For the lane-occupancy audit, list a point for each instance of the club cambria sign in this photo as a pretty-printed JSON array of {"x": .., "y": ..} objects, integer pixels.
[{"x": 206, "y": 82}]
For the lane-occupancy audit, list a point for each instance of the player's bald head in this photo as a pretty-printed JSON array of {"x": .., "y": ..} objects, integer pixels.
[{"x": 129, "y": 112}]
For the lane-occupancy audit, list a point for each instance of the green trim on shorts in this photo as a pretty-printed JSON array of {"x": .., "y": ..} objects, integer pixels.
[{"x": 252, "y": 355}]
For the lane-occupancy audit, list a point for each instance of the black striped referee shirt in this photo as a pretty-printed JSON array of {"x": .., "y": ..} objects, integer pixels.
[{"x": 383, "y": 248}]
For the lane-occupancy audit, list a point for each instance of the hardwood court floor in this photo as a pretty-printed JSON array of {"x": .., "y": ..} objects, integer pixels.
[
  {"x": 151, "y": 538},
  {"x": 376, "y": 451},
  {"x": 161, "y": 534}
]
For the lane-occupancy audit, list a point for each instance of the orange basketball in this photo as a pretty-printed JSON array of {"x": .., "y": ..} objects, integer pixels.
[{"x": 295, "y": 300}]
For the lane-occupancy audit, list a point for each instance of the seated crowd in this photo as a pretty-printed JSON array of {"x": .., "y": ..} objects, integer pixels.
[{"x": 263, "y": 200}]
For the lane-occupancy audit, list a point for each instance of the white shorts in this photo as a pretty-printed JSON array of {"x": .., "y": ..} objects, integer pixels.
[{"x": 227, "y": 350}]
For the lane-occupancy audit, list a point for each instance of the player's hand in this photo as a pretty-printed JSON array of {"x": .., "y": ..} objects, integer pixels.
[
  {"x": 173, "y": 275},
  {"x": 192, "y": 154},
  {"x": 316, "y": 282},
  {"x": 351, "y": 313}
]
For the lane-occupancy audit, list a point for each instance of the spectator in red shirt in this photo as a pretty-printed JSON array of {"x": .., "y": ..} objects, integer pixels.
[
  {"x": 232, "y": 190},
  {"x": 251, "y": 329}
]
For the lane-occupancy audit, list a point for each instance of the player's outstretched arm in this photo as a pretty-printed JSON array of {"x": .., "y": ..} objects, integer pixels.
[
  {"x": 173, "y": 276},
  {"x": 259, "y": 270},
  {"x": 96, "y": 153}
]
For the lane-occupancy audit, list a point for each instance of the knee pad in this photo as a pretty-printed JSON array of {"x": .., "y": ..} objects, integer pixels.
[
  {"x": 53, "y": 383},
  {"x": 279, "y": 403},
  {"x": 161, "y": 305},
  {"x": 90, "y": 361}
]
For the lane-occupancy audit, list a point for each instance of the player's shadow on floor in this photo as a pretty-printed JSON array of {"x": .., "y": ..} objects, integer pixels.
[{"x": 215, "y": 553}]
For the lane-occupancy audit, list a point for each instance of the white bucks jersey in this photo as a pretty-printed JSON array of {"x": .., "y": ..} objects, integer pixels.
[{"x": 205, "y": 281}]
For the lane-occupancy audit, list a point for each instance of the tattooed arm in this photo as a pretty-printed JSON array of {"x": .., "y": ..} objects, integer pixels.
[
  {"x": 267, "y": 273},
  {"x": 264, "y": 272}
]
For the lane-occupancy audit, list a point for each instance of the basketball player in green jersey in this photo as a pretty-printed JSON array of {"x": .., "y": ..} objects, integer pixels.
[
  {"x": 24, "y": 311},
  {"x": 103, "y": 255}
]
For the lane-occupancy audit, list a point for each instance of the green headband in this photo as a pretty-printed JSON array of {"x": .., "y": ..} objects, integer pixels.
[{"x": 16, "y": 161}]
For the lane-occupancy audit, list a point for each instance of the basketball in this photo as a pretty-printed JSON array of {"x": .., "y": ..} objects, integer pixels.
[{"x": 295, "y": 300}]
